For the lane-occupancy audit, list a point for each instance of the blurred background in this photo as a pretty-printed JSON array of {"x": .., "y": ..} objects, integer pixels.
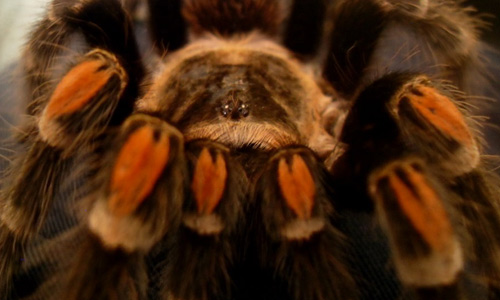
[
  {"x": 16, "y": 19},
  {"x": 492, "y": 9}
]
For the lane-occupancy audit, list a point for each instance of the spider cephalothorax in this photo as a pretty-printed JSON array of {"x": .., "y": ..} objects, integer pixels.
[
  {"x": 232, "y": 153},
  {"x": 240, "y": 92}
]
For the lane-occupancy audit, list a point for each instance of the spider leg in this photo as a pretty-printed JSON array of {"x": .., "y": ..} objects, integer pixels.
[
  {"x": 305, "y": 27},
  {"x": 299, "y": 240},
  {"x": 130, "y": 210},
  {"x": 168, "y": 28},
  {"x": 481, "y": 210},
  {"x": 349, "y": 54},
  {"x": 411, "y": 208},
  {"x": 203, "y": 250},
  {"x": 438, "y": 38},
  {"x": 68, "y": 110},
  {"x": 147, "y": 200},
  {"x": 137, "y": 198},
  {"x": 405, "y": 132},
  {"x": 424, "y": 148}
]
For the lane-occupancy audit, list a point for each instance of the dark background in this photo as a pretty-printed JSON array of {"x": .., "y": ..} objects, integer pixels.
[
  {"x": 489, "y": 10},
  {"x": 492, "y": 8}
]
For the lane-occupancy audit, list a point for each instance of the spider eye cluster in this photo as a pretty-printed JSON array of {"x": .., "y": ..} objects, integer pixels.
[{"x": 234, "y": 109}]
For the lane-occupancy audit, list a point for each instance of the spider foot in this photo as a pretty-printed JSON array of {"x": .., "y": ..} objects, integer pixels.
[
  {"x": 294, "y": 201},
  {"x": 300, "y": 242},
  {"x": 85, "y": 98},
  {"x": 142, "y": 195},
  {"x": 207, "y": 241},
  {"x": 216, "y": 189},
  {"x": 436, "y": 127},
  {"x": 408, "y": 145},
  {"x": 410, "y": 204},
  {"x": 403, "y": 113}
]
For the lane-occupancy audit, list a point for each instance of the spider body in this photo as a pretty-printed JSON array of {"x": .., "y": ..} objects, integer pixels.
[
  {"x": 221, "y": 93},
  {"x": 226, "y": 165}
]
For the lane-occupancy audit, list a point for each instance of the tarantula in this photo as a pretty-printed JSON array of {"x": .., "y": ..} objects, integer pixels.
[{"x": 242, "y": 149}]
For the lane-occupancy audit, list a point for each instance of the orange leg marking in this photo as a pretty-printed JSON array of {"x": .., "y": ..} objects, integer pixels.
[
  {"x": 78, "y": 87},
  {"x": 209, "y": 181},
  {"x": 442, "y": 113},
  {"x": 423, "y": 208},
  {"x": 140, "y": 163},
  {"x": 297, "y": 186}
]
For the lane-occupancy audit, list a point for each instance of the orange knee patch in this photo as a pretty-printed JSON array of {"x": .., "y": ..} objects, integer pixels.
[
  {"x": 423, "y": 207},
  {"x": 137, "y": 168},
  {"x": 78, "y": 87},
  {"x": 297, "y": 186},
  {"x": 442, "y": 113},
  {"x": 209, "y": 181}
]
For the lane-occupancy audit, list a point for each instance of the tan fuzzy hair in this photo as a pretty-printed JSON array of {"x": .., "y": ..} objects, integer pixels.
[{"x": 233, "y": 16}]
